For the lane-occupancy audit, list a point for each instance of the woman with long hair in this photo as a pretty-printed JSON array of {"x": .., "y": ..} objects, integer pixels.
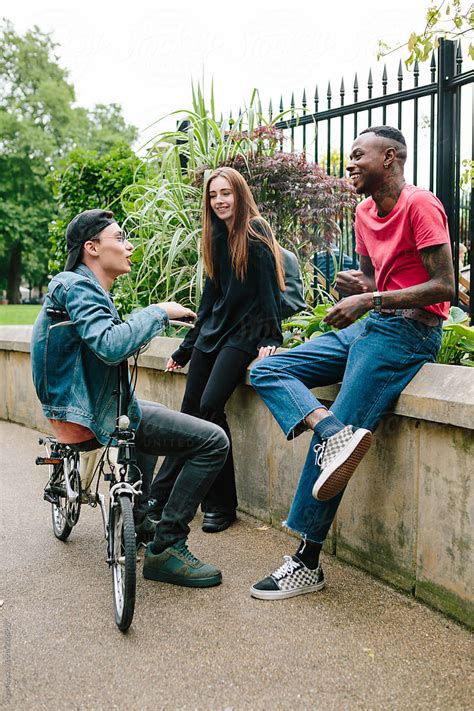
[{"x": 238, "y": 320}]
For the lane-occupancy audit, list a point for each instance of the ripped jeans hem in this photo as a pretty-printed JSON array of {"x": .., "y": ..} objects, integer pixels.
[{"x": 303, "y": 536}]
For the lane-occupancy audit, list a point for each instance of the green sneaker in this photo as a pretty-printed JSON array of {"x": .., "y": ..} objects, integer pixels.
[{"x": 177, "y": 565}]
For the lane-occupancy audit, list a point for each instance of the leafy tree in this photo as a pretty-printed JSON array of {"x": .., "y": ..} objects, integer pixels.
[
  {"x": 35, "y": 108},
  {"x": 38, "y": 127},
  {"x": 451, "y": 19},
  {"x": 102, "y": 128}
]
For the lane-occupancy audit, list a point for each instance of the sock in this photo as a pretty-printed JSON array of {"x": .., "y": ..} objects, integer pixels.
[
  {"x": 308, "y": 553},
  {"x": 328, "y": 427},
  {"x": 157, "y": 549}
]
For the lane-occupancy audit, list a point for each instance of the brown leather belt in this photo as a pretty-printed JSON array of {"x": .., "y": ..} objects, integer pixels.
[{"x": 429, "y": 319}]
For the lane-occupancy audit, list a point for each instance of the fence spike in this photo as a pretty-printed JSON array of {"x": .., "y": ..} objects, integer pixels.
[
  {"x": 400, "y": 76},
  {"x": 370, "y": 83},
  {"x": 416, "y": 72},
  {"x": 458, "y": 57},
  {"x": 304, "y": 99},
  {"x": 281, "y": 104},
  {"x": 356, "y": 87},
  {"x": 316, "y": 95},
  {"x": 270, "y": 109},
  {"x": 292, "y": 102},
  {"x": 384, "y": 76},
  {"x": 342, "y": 89},
  {"x": 433, "y": 67},
  {"x": 329, "y": 90}
]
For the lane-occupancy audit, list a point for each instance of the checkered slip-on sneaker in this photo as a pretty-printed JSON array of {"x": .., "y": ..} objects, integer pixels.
[
  {"x": 292, "y": 578},
  {"x": 338, "y": 456}
]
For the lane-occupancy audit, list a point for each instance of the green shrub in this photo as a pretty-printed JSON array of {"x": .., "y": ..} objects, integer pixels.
[
  {"x": 87, "y": 180},
  {"x": 457, "y": 346}
]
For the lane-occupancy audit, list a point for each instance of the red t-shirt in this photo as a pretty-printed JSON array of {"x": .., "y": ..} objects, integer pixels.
[{"x": 393, "y": 242}]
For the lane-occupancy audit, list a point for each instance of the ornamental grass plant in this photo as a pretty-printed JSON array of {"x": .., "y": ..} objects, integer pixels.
[{"x": 303, "y": 204}]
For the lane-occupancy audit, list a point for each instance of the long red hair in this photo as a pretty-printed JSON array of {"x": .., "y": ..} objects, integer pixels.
[{"x": 246, "y": 214}]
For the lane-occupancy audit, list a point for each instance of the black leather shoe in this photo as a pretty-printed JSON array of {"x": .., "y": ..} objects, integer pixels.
[{"x": 215, "y": 521}]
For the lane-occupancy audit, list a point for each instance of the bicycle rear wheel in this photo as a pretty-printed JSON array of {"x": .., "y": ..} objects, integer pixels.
[
  {"x": 123, "y": 557},
  {"x": 64, "y": 514}
]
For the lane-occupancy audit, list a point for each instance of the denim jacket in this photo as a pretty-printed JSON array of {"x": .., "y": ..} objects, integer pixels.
[{"x": 75, "y": 357}]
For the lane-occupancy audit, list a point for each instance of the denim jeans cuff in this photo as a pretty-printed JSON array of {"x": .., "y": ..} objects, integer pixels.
[{"x": 303, "y": 536}]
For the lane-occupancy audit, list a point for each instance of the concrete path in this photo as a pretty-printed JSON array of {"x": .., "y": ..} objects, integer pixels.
[{"x": 355, "y": 645}]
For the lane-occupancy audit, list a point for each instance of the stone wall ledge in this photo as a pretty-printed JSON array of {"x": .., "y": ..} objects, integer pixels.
[
  {"x": 407, "y": 515},
  {"x": 438, "y": 393}
]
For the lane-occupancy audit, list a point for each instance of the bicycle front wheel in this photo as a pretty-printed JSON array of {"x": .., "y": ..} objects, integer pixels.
[{"x": 123, "y": 556}]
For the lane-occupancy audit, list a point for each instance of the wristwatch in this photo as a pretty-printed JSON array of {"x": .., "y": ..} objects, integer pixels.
[{"x": 377, "y": 301}]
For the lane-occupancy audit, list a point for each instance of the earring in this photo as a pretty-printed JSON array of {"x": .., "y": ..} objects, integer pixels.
[{"x": 385, "y": 165}]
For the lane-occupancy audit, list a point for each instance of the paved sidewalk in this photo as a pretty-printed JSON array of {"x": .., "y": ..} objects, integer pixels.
[{"x": 355, "y": 645}]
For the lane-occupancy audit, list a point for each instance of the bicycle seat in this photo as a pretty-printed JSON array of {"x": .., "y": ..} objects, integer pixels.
[{"x": 87, "y": 446}]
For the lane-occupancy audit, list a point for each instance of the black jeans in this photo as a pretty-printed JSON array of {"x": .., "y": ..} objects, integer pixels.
[
  {"x": 202, "y": 447},
  {"x": 212, "y": 378}
]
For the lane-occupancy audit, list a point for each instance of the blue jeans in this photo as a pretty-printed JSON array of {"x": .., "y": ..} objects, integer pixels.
[{"x": 374, "y": 358}]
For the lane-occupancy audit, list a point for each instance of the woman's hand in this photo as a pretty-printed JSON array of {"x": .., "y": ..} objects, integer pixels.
[
  {"x": 171, "y": 366},
  {"x": 265, "y": 351}
]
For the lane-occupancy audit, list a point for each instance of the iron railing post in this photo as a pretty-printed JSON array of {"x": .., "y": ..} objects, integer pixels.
[{"x": 446, "y": 140}]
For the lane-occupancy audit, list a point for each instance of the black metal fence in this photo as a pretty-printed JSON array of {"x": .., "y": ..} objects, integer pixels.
[{"x": 436, "y": 118}]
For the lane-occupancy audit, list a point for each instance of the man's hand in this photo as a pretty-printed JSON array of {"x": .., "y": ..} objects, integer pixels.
[
  {"x": 348, "y": 310},
  {"x": 353, "y": 281},
  {"x": 176, "y": 311}
]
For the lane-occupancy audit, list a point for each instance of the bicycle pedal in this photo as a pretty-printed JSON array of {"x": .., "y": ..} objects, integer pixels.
[
  {"x": 51, "y": 498},
  {"x": 47, "y": 460}
]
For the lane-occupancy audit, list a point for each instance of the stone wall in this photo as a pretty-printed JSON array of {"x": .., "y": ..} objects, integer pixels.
[{"x": 408, "y": 514}]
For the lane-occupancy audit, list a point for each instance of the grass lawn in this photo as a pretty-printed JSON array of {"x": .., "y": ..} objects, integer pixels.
[{"x": 18, "y": 315}]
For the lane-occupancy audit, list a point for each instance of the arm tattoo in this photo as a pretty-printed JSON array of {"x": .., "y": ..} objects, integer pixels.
[
  {"x": 439, "y": 287},
  {"x": 437, "y": 262}
]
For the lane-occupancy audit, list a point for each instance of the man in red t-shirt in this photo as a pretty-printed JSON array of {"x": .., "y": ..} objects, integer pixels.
[{"x": 406, "y": 282}]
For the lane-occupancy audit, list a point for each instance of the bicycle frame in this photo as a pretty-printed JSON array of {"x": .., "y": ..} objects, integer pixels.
[{"x": 71, "y": 474}]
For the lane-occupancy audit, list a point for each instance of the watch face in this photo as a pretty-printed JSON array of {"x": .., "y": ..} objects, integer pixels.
[{"x": 377, "y": 301}]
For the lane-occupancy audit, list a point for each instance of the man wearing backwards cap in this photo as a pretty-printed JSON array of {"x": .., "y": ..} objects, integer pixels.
[{"x": 78, "y": 343}]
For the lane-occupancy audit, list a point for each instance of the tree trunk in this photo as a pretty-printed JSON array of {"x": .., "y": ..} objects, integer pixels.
[{"x": 14, "y": 275}]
